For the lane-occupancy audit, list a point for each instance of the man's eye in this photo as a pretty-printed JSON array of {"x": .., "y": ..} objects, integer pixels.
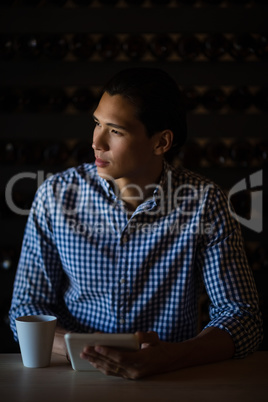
[{"x": 116, "y": 132}]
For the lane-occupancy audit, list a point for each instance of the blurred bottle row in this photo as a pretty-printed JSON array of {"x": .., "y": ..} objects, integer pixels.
[
  {"x": 45, "y": 153},
  {"x": 195, "y": 153},
  {"x": 63, "y": 3},
  {"x": 224, "y": 153},
  {"x": 46, "y": 100},
  {"x": 79, "y": 100},
  {"x": 180, "y": 47}
]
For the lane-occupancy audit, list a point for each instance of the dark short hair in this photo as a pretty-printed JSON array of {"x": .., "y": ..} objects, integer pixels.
[{"x": 157, "y": 99}]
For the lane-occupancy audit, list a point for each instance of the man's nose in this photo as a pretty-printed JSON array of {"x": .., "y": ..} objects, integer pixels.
[{"x": 100, "y": 141}]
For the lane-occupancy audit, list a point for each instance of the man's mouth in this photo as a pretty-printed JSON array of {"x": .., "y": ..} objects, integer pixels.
[{"x": 101, "y": 162}]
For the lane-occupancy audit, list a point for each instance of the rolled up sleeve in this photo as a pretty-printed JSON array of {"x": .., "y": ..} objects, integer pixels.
[{"x": 229, "y": 282}]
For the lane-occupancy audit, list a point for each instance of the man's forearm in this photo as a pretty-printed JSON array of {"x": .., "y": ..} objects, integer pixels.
[{"x": 211, "y": 345}]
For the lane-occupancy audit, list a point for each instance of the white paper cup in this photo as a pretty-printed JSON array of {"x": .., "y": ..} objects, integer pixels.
[{"x": 36, "y": 335}]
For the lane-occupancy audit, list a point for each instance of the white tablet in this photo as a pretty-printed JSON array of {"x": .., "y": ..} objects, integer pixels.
[{"x": 77, "y": 342}]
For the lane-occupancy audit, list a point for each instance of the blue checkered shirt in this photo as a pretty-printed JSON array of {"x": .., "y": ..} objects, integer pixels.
[{"x": 96, "y": 267}]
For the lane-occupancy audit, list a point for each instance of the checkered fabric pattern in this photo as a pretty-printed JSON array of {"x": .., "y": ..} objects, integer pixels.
[{"x": 98, "y": 268}]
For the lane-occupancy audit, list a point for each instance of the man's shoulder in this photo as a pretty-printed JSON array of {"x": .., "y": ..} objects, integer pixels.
[
  {"x": 86, "y": 172},
  {"x": 181, "y": 176},
  {"x": 84, "y": 176},
  {"x": 183, "y": 181}
]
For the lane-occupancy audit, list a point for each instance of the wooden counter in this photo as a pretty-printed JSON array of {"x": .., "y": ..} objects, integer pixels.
[{"x": 243, "y": 380}]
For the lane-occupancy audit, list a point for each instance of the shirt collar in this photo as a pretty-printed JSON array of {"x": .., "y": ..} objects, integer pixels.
[{"x": 150, "y": 203}]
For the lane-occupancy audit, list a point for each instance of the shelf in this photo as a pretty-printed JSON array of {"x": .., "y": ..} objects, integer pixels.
[
  {"x": 46, "y": 126},
  {"x": 80, "y": 127},
  {"x": 60, "y": 73},
  {"x": 133, "y": 19}
]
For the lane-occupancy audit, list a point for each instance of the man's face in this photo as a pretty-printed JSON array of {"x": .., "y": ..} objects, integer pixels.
[{"x": 122, "y": 148}]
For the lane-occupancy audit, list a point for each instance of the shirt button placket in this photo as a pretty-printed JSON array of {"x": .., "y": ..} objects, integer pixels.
[{"x": 122, "y": 283}]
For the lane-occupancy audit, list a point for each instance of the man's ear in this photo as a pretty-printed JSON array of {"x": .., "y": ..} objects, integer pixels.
[{"x": 164, "y": 142}]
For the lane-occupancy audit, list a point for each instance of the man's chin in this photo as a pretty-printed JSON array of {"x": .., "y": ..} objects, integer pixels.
[{"x": 104, "y": 175}]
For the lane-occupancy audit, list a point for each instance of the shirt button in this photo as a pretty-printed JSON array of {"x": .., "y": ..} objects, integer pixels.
[
  {"x": 122, "y": 321},
  {"x": 122, "y": 281}
]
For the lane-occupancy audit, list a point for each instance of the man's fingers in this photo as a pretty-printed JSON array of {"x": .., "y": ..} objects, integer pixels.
[
  {"x": 149, "y": 338},
  {"x": 105, "y": 353}
]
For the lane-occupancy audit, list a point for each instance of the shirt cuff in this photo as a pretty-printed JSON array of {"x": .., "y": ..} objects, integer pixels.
[{"x": 246, "y": 335}]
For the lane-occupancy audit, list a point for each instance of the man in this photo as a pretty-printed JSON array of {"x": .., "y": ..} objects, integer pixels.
[{"x": 124, "y": 245}]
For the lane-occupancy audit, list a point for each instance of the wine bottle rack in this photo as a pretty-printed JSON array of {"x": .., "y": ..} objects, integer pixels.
[
  {"x": 142, "y": 46},
  {"x": 71, "y": 100},
  {"x": 127, "y": 3},
  {"x": 55, "y": 55}
]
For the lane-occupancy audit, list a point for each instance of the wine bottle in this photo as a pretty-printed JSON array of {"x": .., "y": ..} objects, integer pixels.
[
  {"x": 216, "y": 153},
  {"x": 7, "y": 47},
  {"x": 214, "y": 99},
  {"x": 161, "y": 46},
  {"x": 242, "y": 46},
  {"x": 261, "y": 99},
  {"x": 188, "y": 47},
  {"x": 108, "y": 47},
  {"x": 241, "y": 153},
  {"x": 55, "y": 47},
  {"x": 30, "y": 46},
  {"x": 82, "y": 46},
  {"x": 134, "y": 46},
  {"x": 83, "y": 99},
  {"x": 215, "y": 46},
  {"x": 240, "y": 99},
  {"x": 191, "y": 98}
]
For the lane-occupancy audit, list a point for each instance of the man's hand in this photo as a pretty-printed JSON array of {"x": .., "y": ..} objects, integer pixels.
[{"x": 153, "y": 357}]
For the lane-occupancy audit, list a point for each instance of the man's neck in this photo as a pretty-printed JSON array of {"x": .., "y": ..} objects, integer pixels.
[{"x": 135, "y": 192}]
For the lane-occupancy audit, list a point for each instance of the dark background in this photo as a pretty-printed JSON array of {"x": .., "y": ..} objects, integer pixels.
[{"x": 50, "y": 80}]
